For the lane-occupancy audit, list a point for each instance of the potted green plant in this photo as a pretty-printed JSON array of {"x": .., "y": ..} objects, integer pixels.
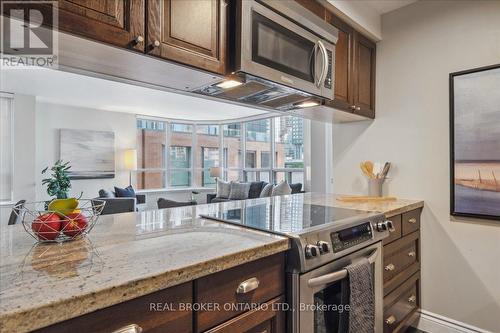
[{"x": 58, "y": 184}]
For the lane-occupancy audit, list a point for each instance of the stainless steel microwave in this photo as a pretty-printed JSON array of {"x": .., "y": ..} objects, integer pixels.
[{"x": 282, "y": 42}]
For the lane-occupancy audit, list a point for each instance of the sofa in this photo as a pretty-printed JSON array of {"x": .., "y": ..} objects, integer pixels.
[
  {"x": 254, "y": 191},
  {"x": 115, "y": 205}
]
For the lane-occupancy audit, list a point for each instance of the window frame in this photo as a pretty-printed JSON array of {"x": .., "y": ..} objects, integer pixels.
[
  {"x": 10, "y": 100},
  {"x": 243, "y": 171}
]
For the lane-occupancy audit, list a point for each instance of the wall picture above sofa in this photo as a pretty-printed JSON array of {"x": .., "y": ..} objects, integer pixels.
[{"x": 91, "y": 153}]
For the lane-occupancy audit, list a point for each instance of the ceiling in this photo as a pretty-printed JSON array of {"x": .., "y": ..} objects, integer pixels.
[
  {"x": 59, "y": 87},
  {"x": 385, "y": 6}
]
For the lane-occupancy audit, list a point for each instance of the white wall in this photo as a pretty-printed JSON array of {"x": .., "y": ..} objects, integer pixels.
[
  {"x": 24, "y": 148},
  {"x": 422, "y": 44},
  {"x": 52, "y": 117}
]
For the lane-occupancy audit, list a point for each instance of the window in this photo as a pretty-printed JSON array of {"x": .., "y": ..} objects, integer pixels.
[
  {"x": 6, "y": 151},
  {"x": 151, "y": 151},
  {"x": 289, "y": 149},
  {"x": 232, "y": 142},
  {"x": 181, "y": 155},
  {"x": 207, "y": 148},
  {"x": 258, "y": 147}
]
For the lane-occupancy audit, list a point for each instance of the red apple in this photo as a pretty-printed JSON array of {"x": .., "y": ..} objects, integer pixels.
[
  {"x": 47, "y": 226},
  {"x": 74, "y": 224}
]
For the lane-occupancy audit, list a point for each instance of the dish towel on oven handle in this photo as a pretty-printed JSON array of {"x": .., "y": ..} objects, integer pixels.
[{"x": 362, "y": 298}]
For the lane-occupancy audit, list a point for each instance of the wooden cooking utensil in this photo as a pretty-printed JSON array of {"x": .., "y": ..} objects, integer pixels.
[
  {"x": 365, "y": 170},
  {"x": 385, "y": 170}
]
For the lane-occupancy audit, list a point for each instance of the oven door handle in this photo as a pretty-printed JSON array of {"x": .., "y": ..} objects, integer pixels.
[{"x": 336, "y": 276}]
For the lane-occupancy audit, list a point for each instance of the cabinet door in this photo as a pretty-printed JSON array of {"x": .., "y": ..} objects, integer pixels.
[
  {"x": 343, "y": 64},
  {"x": 117, "y": 22},
  {"x": 364, "y": 76},
  {"x": 191, "y": 32},
  {"x": 266, "y": 319}
]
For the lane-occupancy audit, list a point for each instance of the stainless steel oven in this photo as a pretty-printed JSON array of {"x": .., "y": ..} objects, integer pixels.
[
  {"x": 281, "y": 41},
  {"x": 325, "y": 282}
]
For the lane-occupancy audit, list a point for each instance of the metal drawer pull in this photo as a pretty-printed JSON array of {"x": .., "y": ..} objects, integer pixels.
[
  {"x": 412, "y": 254},
  {"x": 338, "y": 275},
  {"x": 132, "y": 328},
  {"x": 390, "y": 267},
  {"x": 248, "y": 285},
  {"x": 390, "y": 320},
  {"x": 412, "y": 299},
  {"x": 412, "y": 220}
]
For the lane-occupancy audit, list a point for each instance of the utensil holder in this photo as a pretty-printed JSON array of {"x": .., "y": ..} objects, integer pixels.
[{"x": 375, "y": 187}]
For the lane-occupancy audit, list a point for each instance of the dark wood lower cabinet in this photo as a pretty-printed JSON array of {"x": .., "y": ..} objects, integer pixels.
[
  {"x": 265, "y": 319},
  {"x": 138, "y": 312},
  {"x": 402, "y": 273},
  {"x": 171, "y": 310}
]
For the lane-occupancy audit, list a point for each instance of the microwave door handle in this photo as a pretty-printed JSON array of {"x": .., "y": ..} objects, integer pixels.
[
  {"x": 317, "y": 81},
  {"x": 324, "y": 70},
  {"x": 336, "y": 276}
]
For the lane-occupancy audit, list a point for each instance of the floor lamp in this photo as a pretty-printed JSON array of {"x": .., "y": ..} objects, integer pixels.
[
  {"x": 215, "y": 172},
  {"x": 130, "y": 162}
]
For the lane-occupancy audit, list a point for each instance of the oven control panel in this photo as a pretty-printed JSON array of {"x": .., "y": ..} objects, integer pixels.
[{"x": 350, "y": 237}]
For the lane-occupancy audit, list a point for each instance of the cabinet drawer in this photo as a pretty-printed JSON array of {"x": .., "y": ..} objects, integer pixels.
[
  {"x": 400, "y": 304},
  {"x": 221, "y": 288},
  {"x": 139, "y": 311},
  {"x": 411, "y": 221},
  {"x": 401, "y": 260},
  {"x": 396, "y": 234},
  {"x": 266, "y": 319}
]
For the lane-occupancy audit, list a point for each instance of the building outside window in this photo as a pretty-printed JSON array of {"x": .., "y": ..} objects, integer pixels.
[
  {"x": 289, "y": 160},
  {"x": 6, "y": 148},
  {"x": 258, "y": 147},
  {"x": 151, "y": 151},
  {"x": 172, "y": 155}
]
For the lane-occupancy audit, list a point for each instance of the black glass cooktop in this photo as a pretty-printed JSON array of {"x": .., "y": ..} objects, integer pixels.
[{"x": 282, "y": 215}]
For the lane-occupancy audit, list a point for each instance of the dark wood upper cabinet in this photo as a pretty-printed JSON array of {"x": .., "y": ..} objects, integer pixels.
[
  {"x": 191, "y": 32},
  {"x": 343, "y": 64},
  {"x": 314, "y": 7},
  {"x": 354, "y": 86},
  {"x": 364, "y": 76},
  {"x": 117, "y": 22}
]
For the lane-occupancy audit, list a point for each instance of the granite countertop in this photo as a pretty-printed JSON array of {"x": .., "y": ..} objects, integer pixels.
[
  {"x": 124, "y": 257},
  {"x": 130, "y": 255},
  {"x": 389, "y": 208}
]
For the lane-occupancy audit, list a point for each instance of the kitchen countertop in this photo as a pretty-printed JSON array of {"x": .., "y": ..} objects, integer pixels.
[
  {"x": 389, "y": 208},
  {"x": 124, "y": 257},
  {"x": 130, "y": 255}
]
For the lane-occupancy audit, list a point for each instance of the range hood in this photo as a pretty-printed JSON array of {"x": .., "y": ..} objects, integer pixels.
[{"x": 250, "y": 90}]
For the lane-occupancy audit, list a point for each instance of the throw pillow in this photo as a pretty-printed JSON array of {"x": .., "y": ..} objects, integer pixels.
[
  {"x": 239, "y": 191},
  {"x": 266, "y": 191},
  {"x": 106, "y": 194},
  {"x": 296, "y": 188},
  {"x": 281, "y": 189},
  {"x": 223, "y": 189},
  {"x": 255, "y": 189},
  {"x": 127, "y": 192}
]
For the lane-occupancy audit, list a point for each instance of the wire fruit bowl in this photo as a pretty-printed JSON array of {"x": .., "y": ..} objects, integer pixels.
[{"x": 51, "y": 226}]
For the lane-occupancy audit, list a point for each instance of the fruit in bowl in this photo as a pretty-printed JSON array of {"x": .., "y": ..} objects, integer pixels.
[
  {"x": 47, "y": 226},
  {"x": 74, "y": 224},
  {"x": 64, "y": 207}
]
